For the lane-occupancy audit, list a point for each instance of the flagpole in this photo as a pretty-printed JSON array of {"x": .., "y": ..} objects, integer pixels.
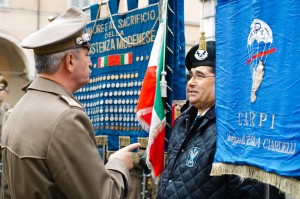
[
  {"x": 267, "y": 191},
  {"x": 163, "y": 82}
]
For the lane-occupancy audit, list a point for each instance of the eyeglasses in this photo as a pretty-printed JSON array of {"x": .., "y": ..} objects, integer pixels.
[{"x": 200, "y": 76}]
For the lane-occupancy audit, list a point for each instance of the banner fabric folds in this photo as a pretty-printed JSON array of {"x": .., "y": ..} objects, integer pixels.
[{"x": 257, "y": 91}]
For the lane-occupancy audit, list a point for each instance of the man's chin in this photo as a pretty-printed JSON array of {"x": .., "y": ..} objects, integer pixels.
[
  {"x": 192, "y": 100},
  {"x": 86, "y": 82}
]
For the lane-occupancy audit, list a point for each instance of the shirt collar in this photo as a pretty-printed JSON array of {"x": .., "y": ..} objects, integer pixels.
[{"x": 203, "y": 113}]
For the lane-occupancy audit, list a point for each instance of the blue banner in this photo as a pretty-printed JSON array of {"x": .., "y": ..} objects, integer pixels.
[
  {"x": 120, "y": 50},
  {"x": 175, "y": 59},
  {"x": 257, "y": 91}
]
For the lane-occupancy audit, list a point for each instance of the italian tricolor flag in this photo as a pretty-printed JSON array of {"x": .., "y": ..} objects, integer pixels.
[{"x": 150, "y": 109}]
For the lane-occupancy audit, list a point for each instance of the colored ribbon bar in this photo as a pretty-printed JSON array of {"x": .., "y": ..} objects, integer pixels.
[{"x": 115, "y": 60}]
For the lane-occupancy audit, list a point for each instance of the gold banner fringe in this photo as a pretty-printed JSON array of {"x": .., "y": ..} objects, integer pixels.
[{"x": 285, "y": 184}]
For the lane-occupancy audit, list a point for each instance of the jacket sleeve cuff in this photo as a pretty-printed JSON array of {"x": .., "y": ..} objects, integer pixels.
[{"x": 118, "y": 167}]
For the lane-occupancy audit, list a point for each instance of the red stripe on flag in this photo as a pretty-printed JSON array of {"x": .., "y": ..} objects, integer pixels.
[
  {"x": 157, "y": 154},
  {"x": 130, "y": 58},
  {"x": 261, "y": 54},
  {"x": 114, "y": 60},
  {"x": 99, "y": 62},
  {"x": 148, "y": 93}
]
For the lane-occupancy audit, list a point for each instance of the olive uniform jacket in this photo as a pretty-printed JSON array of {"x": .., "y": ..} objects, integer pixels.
[
  {"x": 49, "y": 150},
  {"x": 4, "y": 112}
]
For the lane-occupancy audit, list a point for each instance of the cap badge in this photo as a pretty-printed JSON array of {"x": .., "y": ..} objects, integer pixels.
[
  {"x": 83, "y": 39},
  {"x": 201, "y": 54}
]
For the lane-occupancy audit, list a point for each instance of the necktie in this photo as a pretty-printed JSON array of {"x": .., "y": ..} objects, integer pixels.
[{"x": 196, "y": 122}]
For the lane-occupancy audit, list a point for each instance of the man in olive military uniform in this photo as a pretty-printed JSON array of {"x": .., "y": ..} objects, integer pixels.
[
  {"x": 48, "y": 144},
  {"x": 4, "y": 106}
]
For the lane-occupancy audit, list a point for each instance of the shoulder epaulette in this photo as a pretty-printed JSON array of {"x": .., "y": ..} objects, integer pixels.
[{"x": 71, "y": 102}]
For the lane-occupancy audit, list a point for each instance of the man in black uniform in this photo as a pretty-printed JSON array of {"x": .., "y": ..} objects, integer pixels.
[{"x": 192, "y": 144}]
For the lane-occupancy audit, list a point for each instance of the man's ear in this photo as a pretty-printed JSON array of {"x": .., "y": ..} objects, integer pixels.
[{"x": 69, "y": 62}]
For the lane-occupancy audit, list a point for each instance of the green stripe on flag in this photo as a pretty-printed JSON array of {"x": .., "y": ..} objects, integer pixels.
[
  {"x": 105, "y": 60},
  {"x": 122, "y": 59},
  {"x": 158, "y": 103}
]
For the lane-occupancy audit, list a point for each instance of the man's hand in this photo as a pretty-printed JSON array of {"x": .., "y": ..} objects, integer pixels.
[{"x": 125, "y": 154}]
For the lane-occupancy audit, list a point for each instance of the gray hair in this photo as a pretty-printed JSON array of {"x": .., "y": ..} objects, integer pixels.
[{"x": 49, "y": 64}]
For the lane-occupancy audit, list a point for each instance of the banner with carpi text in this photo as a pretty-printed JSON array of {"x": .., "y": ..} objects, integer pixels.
[
  {"x": 121, "y": 45},
  {"x": 257, "y": 91}
]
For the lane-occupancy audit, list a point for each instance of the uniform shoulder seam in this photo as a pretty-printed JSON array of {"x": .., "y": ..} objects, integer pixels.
[{"x": 71, "y": 102}]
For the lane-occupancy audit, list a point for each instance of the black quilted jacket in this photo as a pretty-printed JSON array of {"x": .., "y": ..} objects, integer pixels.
[{"x": 189, "y": 160}]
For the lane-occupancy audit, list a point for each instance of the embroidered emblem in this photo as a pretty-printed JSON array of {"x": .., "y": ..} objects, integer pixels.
[
  {"x": 85, "y": 38},
  {"x": 259, "y": 44},
  {"x": 201, "y": 54},
  {"x": 192, "y": 156}
]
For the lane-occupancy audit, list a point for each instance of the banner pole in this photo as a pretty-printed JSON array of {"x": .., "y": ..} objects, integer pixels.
[{"x": 267, "y": 191}]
